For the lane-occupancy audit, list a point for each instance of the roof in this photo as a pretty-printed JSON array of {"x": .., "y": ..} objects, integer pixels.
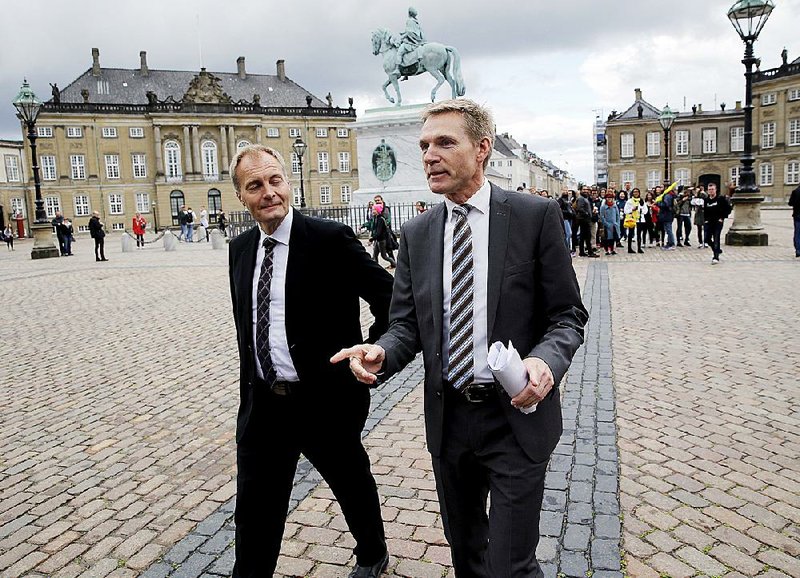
[
  {"x": 648, "y": 111},
  {"x": 130, "y": 86},
  {"x": 502, "y": 147}
]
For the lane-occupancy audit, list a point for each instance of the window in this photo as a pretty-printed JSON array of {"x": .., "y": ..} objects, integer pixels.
[
  {"x": 342, "y": 132},
  {"x": 653, "y": 179},
  {"x": 51, "y": 205},
  {"x": 44, "y": 131},
  {"x": 682, "y": 176},
  {"x": 510, "y": 163},
  {"x": 295, "y": 164},
  {"x": 767, "y": 135},
  {"x": 115, "y": 204},
  {"x": 172, "y": 156},
  {"x": 626, "y": 146},
  {"x": 345, "y": 190},
  {"x": 653, "y": 144},
  {"x": 709, "y": 140},
  {"x": 737, "y": 139},
  {"x": 793, "y": 172},
  {"x": 241, "y": 144},
  {"x": 83, "y": 228},
  {"x": 74, "y": 132},
  {"x": 273, "y": 132},
  {"x": 139, "y": 165},
  {"x": 765, "y": 171},
  {"x": 769, "y": 98},
  {"x": 209, "y": 152},
  {"x": 628, "y": 177},
  {"x": 322, "y": 132},
  {"x": 176, "y": 200},
  {"x": 793, "y": 138},
  {"x": 491, "y": 163},
  {"x": 344, "y": 162},
  {"x": 12, "y": 169},
  {"x": 17, "y": 206},
  {"x": 322, "y": 162},
  {"x": 214, "y": 204},
  {"x": 734, "y": 173},
  {"x": 48, "y": 163},
  {"x": 296, "y": 195},
  {"x": 142, "y": 202},
  {"x": 136, "y": 132},
  {"x": 117, "y": 226},
  {"x": 112, "y": 166},
  {"x": 794, "y": 94},
  {"x": 109, "y": 132},
  {"x": 77, "y": 164},
  {"x": 294, "y": 132},
  {"x": 681, "y": 142},
  {"x": 325, "y": 195},
  {"x": 81, "y": 205}
]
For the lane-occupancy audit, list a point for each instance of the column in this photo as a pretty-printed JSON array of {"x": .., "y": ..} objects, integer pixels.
[
  {"x": 187, "y": 152},
  {"x": 198, "y": 166},
  {"x": 231, "y": 140},
  {"x": 258, "y": 133},
  {"x": 223, "y": 147},
  {"x": 158, "y": 145}
]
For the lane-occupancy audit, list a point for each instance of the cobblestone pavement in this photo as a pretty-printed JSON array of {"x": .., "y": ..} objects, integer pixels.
[{"x": 117, "y": 416}]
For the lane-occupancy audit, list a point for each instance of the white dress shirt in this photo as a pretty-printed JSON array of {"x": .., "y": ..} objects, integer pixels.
[
  {"x": 278, "y": 343},
  {"x": 478, "y": 220}
]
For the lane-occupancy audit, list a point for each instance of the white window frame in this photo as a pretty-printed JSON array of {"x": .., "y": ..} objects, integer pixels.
[
  {"x": 117, "y": 226},
  {"x": 136, "y": 132},
  {"x": 172, "y": 161},
  {"x": 793, "y": 94},
  {"x": 653, "y": 144},
  {"x": 345, "y": 194},
  {"x": 83, "y": 228},
  {"x": 626, "y": 145},
  {"x": 324, "y": 194},
  {"x": 709, "y": 140},
  {"x": 82, "y": 206},
  {"x": 12, "y": 168},
  {"x": 74, "y": 132},
  {"x": 115, "y": 206},
  {"x": 142, "y": 202},
  {"x": 793, "y": 132},
  {"x": 47, "y": 164},
  {"x": 766, "y": 174},
  {"x": 77, "y": 165},
  {"x": 342, "y": 132},
  {"x": 792, "y": 172},
  {"x": 653, "y": 178},
  {"x": 628, "y": 176},
  {"x": 296, "y": 196},
  {"x": 109, "y": 132},
  {"x": 681, "y": 143},
  {"x": 322, "y": 132},
  {"x": 295, "y": 160},
  {"x": 112, "y": 166},
  {"x": 683, "y": 176},
  {"x": 208, "y": 158},
  {"x": 273, "y": 132},
  {"x": 17, "y": 206},
  {"x": 344, "y": 162},
  {"x": 768, "y": 135},
  {"x": 323, "y": 165},
  {"x": 241, "y": 144},
  {"x": 44, "y": 131},
  {"x": 139, "y": 164},
  {"x": 737, "y": 139},
  {"x": 769, "y": 98},
  {"x": 52, "y": 204},
  {"x": 294, "y": 132},
  {"x": 734, "y": 173}
]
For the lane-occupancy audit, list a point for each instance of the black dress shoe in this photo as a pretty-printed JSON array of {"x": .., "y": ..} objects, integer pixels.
[{"x": 373, "y": 571}]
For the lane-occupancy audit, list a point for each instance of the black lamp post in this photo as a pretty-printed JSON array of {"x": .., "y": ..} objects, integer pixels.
[
  {"x": 665, "y": 119},
  {"x": 299, "y": 148},
  {"x": 28, "y": 107},
  {"x": 748, "y": 18}
]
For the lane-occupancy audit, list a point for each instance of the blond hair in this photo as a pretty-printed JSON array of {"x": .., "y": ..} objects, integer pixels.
[{"x": 478, "y": 120}]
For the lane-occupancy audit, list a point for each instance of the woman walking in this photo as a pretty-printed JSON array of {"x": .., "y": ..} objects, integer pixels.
[{"x": 609, "y": 217}]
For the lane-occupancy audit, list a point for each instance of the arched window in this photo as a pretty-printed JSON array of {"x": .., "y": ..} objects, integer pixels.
[
  {"x": 214, "y": 204},
  {"x": 210, "y": 167},
  {"x": 241, "y": 144},
  {"x": 176, "y": 201},
  {"x": 172, "y": 160}
]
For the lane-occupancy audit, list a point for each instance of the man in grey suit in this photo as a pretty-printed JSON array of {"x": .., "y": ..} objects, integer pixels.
[{"x": 455, "y": 263}]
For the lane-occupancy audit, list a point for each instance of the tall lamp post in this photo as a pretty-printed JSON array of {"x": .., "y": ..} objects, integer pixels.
[
  {"x": 299, "y": 148},
  {"x": 28, "y": 107},
  {"x": 748, "y": 18},
  {"x": 665, "y": 119}
]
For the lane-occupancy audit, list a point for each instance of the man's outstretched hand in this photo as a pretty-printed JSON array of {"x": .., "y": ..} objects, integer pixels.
[{"x": 366, "y": 361}]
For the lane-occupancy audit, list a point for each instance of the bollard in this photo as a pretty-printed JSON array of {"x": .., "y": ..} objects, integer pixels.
[
  {"x": 127, "y": 243},
  {"x": 170, "y": 241},
  {"x": 217, "y": 239}
]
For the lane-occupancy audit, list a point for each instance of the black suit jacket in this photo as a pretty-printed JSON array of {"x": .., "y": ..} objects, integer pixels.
[
  {"x": 327, "y": 271},
  {"x": 533, "y": 300}
]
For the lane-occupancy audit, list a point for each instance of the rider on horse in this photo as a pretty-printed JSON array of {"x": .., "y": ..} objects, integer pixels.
[{"x": 411, "y": 39}]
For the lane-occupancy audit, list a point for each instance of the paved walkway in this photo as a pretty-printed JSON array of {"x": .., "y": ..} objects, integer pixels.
[{"x": 117, "y": 414}]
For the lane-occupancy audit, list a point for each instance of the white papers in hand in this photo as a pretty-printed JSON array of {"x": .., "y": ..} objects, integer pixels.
[{"x": 508, "y": 369}]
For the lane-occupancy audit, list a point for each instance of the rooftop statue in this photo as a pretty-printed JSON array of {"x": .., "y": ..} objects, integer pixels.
[{"x": 409, "y": 54}]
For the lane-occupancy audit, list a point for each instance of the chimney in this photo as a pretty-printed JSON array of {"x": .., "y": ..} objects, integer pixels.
[
  {"x": 143, "y": 63},
  {"x": 638, "y": 93},
  {"x": 95, "y": 62},
  {"x": 738, "y": 105},
  {"x": 699, "y": 108},
  {"x": 281, "y": 70},
  {"x": 240, "y": 68}
]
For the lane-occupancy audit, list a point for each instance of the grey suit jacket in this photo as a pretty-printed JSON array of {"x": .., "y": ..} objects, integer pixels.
[{"x": 533, "y": 300}]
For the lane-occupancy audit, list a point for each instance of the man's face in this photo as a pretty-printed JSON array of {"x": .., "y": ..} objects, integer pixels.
[
  {"x": 453, "y": 163},
  {"x": 264, "y": 189},
  {"x": 712, "y": 190}
]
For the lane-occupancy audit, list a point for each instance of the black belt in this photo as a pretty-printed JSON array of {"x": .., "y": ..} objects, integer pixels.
[
  {"x": 282, "y": 388},
  {"x": 476, "y": 392}
]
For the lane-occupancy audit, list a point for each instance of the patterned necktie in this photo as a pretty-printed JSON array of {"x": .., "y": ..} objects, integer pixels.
[
  {"x": 262, "y": 323},
  {"x": 460, "y": 360}
]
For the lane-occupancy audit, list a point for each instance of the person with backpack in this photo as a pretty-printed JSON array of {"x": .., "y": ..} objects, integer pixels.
[{"x": 716, "y": 211}]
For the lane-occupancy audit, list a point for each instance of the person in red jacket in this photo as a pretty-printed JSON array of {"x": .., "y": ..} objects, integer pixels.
[{"x": 139, "y": 225}]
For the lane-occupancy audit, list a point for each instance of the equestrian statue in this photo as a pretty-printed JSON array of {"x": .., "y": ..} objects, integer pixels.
[{"x": 409, "y": 54}]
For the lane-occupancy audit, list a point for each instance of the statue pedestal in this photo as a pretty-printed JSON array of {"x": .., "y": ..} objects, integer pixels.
[{"x": 389, "y": 159}]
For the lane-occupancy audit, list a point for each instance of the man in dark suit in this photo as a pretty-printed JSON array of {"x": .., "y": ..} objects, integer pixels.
[
  {"x": 295, "y": 286},
  {"x": 486, "y": 265}
]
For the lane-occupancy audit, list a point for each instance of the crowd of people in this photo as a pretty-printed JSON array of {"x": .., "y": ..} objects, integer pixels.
[{"x": 610, "y": 219}]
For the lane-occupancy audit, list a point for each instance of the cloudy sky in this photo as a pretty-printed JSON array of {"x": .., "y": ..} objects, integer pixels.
[{"x": 546, "y": 69}]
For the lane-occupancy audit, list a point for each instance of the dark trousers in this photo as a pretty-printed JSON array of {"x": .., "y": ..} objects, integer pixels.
[
  {"x": 280, "y": 428},
  {"x": 387, "y": 254},
  {"x": 641, "y": 231},
  {"x": 99, "y": 248},
  {"x": 700, "y": 230},
  {"x": 684, "y": 226},
  {"x": 481, "y": 455},
  {"x": 796, "y": 236},
  {"x": 61, "y": 244},
  {"x": 139, "y": 240},
  {"x": 713, "y": 236},
  {"x": 585, "y": 230}
]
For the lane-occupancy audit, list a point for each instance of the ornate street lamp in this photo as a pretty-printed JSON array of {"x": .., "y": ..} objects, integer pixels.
[
  {"x": 299, "y": 148},
  {"x": 748, "y": 18},
  {"x": 28, "y": 107},
  {"x": 665, "y": 119}
]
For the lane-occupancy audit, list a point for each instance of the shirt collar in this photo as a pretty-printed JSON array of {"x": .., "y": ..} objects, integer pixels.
[
  {"x": 281, "y": 234},
  {"x": 479, "y": 201}
]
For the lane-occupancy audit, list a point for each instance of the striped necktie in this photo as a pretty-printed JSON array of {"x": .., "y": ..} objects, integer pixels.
[
  {"x": 262, "y": 311},
  {"x": 461, "y": 358}
]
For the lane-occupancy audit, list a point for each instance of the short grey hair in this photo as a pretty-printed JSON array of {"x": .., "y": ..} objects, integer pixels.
[
  {"x": 252, "y": 150},
  {"x": 478, "y": 119}
]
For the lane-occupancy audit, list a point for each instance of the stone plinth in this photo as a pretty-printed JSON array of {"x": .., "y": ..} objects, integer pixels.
[{"x": 43, "y": 245}]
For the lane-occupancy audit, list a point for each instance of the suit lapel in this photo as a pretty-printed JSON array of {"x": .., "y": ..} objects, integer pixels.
[
  {"x": 246, "y": 271},
  {"x": 297, "y": 268},
  {"x": 498, "y": 242},
  {"x": 435, "y": 235}
]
